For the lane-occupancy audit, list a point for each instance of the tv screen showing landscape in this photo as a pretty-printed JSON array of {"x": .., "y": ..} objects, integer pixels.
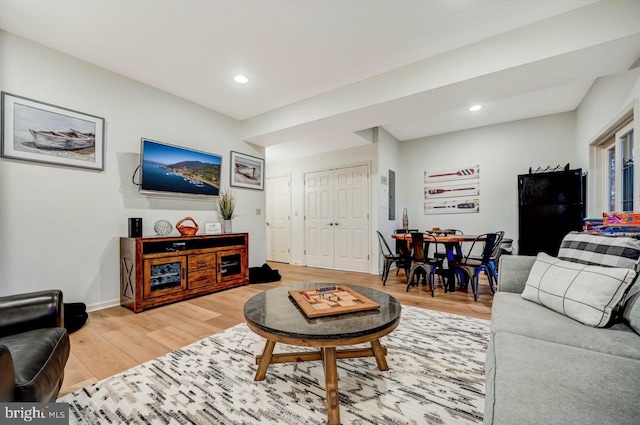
[{"x": 174, "y": 169}]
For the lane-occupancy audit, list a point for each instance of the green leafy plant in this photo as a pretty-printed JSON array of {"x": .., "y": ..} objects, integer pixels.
[{"x": 226, "y": 204}]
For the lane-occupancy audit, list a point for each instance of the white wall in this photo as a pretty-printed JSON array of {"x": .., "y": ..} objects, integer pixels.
[
  {"x": 366, "y": 154},
  {"x": 503, "y": 151},
  {"x": 608, "y": 97},
  {"x": 60, "y": 226},
  {"x": 388, "y": 159}
]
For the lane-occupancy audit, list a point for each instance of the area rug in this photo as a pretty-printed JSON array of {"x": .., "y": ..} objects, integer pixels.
[{"x": 436, "y": 376}]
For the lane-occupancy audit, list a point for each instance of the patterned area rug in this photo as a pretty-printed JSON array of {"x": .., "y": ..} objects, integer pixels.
[{"x": 436, "y": 376}]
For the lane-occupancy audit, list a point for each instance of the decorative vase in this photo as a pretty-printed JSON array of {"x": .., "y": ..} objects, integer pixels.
[{"x": 227, "y": 226}]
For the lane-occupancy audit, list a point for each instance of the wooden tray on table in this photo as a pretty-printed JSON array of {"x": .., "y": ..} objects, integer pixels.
[{"x": 330, "y": 300}]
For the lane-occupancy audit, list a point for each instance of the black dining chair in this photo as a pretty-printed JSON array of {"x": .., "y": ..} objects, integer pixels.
[
  {"x": 495, "y": 256},
  {"x": 492, "y": 266},
  {"x": 403, "y": 250},
  {"x": 421, "y": 264},
  {"x": 473, "y": 264},
  {"x": 440, "y": 253},
  {"x": 401, "y": 260}
]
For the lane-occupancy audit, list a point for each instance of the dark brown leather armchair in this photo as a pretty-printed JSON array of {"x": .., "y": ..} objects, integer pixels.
[{"x": 34, "y": 346}]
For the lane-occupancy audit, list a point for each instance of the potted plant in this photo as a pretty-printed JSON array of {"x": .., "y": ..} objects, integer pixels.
[{"x": 226, "y": 206}]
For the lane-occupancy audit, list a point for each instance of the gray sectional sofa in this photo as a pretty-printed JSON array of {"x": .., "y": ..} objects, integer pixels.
[{"x": 543, "y": 367}]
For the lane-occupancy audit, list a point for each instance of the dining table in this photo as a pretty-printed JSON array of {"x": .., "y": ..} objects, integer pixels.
[{"x": 453, "y": 249}]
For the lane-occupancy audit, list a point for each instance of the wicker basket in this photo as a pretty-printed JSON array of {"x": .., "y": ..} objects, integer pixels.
[{"x": 187, "y": 230}]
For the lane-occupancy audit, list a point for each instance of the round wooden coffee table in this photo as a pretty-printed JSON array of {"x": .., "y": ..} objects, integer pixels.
[{"x": 275, "y": 316}]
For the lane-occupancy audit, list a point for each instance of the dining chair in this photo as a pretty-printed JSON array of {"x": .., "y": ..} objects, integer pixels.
[
  {"x": 473, "y": 265},
  {"x": 404, "y": 251},
  {"x": 390, "y": 258},
  {"x": 495, "y": 256},
  {"x": 493, "y": 260},
  {"x": 439, "y": 253},
  {"x": 421, "y": 264}
]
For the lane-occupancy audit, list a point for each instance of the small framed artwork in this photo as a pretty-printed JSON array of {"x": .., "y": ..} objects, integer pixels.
[
  {"x": 41, "y": 132},
  {"x": 472, "y": 172},
  {"x": 212, "y": 228},
  {"x": 247, "y": 171},
  {"x": 450, "y": 189}
]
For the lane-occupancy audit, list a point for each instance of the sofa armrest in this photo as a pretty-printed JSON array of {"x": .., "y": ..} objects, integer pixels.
[
  {"x": 34, "y": 310},
  {"x": 513, "y": 272},
  {"x": 7, "y": 377}
]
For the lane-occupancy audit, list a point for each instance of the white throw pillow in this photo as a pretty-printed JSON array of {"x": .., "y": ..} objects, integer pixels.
[{"x": 588, "y": 294}]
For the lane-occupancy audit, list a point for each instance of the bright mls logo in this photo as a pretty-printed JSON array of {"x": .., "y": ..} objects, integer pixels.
[{"x": 35, "y": 413}]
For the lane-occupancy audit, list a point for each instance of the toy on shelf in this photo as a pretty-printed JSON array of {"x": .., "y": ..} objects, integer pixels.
[
  {"x": 614, "y": 224},
  {"x": 621, "y": 219},
  {"x": 591, "y": 223}
]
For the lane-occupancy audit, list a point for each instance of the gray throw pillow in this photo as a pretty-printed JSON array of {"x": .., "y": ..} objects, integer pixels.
[
  {"x": 601, "y": 250},
  {"x": 586, "y": 293}
]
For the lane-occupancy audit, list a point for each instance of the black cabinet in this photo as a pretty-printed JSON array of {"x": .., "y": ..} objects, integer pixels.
[{"x": 550, "y": 206}]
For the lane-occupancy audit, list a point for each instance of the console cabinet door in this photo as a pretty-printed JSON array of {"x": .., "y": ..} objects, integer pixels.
[
  {"x": 164, "y": 276},
  {"x": 231, "y": 264}
]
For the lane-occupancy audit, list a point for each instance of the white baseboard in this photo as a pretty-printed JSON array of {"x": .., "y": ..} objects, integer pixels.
[{"x": 103, "y": 305}]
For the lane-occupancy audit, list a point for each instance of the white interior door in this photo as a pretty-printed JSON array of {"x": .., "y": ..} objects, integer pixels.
[
  {"x": 278, "y": 194},
  {"x": 337, "y": 218},
  {"x": 351, "y": 218},
  {"x": 318, "y": 201}
]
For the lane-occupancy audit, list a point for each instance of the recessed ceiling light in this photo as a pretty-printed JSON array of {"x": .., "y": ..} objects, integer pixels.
[
  {"x": 240, "y": 79},
  {"x": 475, "y": 108}
]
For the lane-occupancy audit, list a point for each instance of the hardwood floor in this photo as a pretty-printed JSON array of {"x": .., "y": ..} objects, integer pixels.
[{"x": 116, "y": 339}]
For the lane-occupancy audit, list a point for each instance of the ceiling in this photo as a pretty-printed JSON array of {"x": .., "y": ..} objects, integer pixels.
[{"x": 321, "y": 71}]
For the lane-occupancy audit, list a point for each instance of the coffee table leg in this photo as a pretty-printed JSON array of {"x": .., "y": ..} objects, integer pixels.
[
  {"x": 331, "y": 383},
  {"x": 378, "y": 352},
  {"x": 265, "y": 360}
]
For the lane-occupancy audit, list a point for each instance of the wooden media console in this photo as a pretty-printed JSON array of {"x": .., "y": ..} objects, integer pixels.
[{"x": 155, "y": 271}]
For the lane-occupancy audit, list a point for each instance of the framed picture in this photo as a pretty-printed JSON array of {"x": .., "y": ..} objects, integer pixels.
[
  {"x": 247, "y": 171},
  {"x": 41, "y": 132},
  {"x": 472, "y": 172},
  {"x": 452, "y": 206},
  {"x": 212, "y": 228},
  {"x": 450, "y": 189}
]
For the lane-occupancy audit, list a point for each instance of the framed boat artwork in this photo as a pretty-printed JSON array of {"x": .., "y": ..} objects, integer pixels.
[
  {"x": 42, "y": 132},
  {"x": 247, "y": 171}
]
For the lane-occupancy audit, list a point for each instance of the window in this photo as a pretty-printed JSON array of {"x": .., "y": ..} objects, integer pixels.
[
  {"x": 625, "y": 140},
  {"x": 619, "y": 166},
  {"x": 615, "y": 186},
  {"x": 611, "y": 178}
]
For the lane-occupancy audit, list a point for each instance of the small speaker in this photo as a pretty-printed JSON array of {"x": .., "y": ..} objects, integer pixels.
[{"x": 135, "y": 227}]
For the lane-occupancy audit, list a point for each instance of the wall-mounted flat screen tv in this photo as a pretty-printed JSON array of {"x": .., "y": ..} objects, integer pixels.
[{"x": 174, "y": 169}]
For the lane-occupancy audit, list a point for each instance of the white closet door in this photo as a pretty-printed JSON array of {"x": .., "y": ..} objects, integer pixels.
[
  {"x": 279, "y": 219},
  {"x": 337, "y": 218}
]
